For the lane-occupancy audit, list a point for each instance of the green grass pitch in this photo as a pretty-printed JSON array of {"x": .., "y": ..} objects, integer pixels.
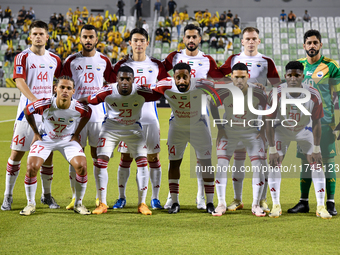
[{"x": 125, "y": 232}]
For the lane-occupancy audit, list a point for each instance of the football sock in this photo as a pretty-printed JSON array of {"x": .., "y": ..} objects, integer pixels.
[
  {"x": 123, "y": 176},
  {"x": 174, "y": 190},
  {"x": 200, "y": 182},
  {"x": 155, "y": 178},
  {"x": 80, "y": 188},
  {"x": 274, "y": 181},
  {"x": 142, "y": 179},
  {"x": 318, "y": 178},
  {"x": 30, "y": 188},
  {"x": 258, "y": 181},
  {"x": 209, "y": 188},
  {"x": 238, "y": 176},
  {"x": 13, "y": 170},
  {"x": 72, "y": 174},
  {"x": 305, "y": 180},
  {"x": 264, "y": 163},
  {"x": 221, "y": 178},
  {"x": 46, "y": 175},
  {"x": 102, "y": 178},
  {"x": 330, "y": 174}
]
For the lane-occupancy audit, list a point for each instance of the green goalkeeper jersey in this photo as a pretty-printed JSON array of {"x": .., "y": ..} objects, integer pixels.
[{"x": 324, "y": 75}]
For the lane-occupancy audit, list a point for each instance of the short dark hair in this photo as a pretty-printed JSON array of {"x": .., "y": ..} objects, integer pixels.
[
  {"x": 139, "y": 30},
  {"x": 89, "y": 27},
  {"x": 181, "y": 66},
  {"x": 294, "y": 65},
  {"x": 126, "y": 69},
  {"x": 64, "y": 77},
  {"x": 310, "y": 33},
  {"x": 250, "y": 29},
  {"x": 239, "y": 66},
  {"x": 39, "y": 24},
  {"x": 192, "y": 27}
]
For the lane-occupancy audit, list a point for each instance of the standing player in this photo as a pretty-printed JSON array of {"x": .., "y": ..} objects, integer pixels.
[
  {"x": 231, "y": 134},
  {"x": 323, "y": 74},
  {"x": 146, "y": 71},
  {"x": 307, "y": 137},
  {"x": 187, "y": 125},
  {"x": 34, "y": 69},
  {"x": 261, "y": 68},
  {"x": 202, "y": 66},
  {"x": 59, "y": 131},
  {"x": 124, "y": 106},
  {"x": 88, "y": 68}
]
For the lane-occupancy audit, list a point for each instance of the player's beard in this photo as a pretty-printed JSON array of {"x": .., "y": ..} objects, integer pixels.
[
  {"x": 182, "y": 89},
  {"x": 312, "y": 54},
  {"x": 191, "y": 49},
  {"x": 88, "y": 49}
]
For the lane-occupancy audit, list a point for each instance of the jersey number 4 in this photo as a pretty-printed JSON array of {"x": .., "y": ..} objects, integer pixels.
[
  {"x": 42, "y": 77},
  {"x": 183, "y": 106}
]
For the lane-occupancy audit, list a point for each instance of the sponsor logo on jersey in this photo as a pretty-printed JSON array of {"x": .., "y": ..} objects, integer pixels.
[
  {"x": 135, "y": 104},
  {"x": 51, "y": 119},
  {"x": 50, "y": 66},
  {"x": 61, "y": 119},
  {"x": 19, "y": 70},
  {"x": 31, "y": 108},
  {"x": 200, "y": 63},
  {"x": 173, "y": 97},
  {"x": 42, "y": 66},
  {"x": 33, "y": 66},
  {"x": 114, "y": 105},
  {"x": 309, "y": 73},
  {"x": 184, "y": 98},
  {"x": 150, "y": 70},
  {"x": 79, "y": 68},
  {"x": 93, "y": 96},
  {"x": 139, "y": 70},
  {"x": 319, "y": 74},
  {"x": 258, "y": 64},
  {"x": 88, "y": 66},
  {"x": 125, "y": 104},
  {"x": 98, "y": 68}
]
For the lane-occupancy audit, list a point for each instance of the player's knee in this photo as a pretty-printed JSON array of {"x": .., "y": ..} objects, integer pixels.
[
  {"x": 125, "y": 157},
  {"x": 16, "y": 155},
  {"x": 80, "y": 165},
  {"x": 153, "y": 157},
  {"x": 32, "y": 168}
]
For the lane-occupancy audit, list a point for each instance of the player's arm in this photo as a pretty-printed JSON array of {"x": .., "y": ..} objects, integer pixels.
[
  {"x": 214, "y": 72},
  {"x": 98, "y": 97},
  {"x": 316, "y": 155},
  {"x": 149, "y": 94},
  {"x": 22, "y": 86},
  {"x": 85, "y": 117},
  {"x": 274, "y": 157},
  {"x": 216, "y": 115},
  {"x": 28, "y": 111}
]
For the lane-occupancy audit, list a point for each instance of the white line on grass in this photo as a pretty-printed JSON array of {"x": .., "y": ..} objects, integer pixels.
[{"x": 2, "y": 121}]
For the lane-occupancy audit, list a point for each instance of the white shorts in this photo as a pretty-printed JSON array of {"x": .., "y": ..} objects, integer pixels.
[
  {"x": 111, "y": 135},
  {"x": 304, "y": 139},
  {"x": 43, "y": 149},
  {"x": 22, "y": 136},
  {"x": 198, "y": 135},
  {"x": 253, "y": 146},
  {"x": 91, "y": 133},
  {"x": 152, "y": 137},
  {"x": 240, "y": 145}
]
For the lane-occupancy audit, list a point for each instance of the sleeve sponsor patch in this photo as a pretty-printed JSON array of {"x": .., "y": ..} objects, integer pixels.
[
  {"x": 31, "y": 109},
  {"x": 19, "y": 70},
  {"x": 93, "y": 96}
]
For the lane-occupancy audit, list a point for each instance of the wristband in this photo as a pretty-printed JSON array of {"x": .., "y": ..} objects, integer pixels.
[
  {"x": 272, "y": 150},
  {"x": 316, "y": 149}
]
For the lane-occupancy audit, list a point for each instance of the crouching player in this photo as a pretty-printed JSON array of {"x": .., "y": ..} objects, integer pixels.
[
  {"x": 58, "y": 131},
  {"x": 307, "y": 137}
]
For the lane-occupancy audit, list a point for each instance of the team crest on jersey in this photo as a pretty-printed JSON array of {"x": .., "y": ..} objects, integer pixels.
[
  {"x": 19, "y": 70},
  {"x": 50, "y": 66},
  {"x": 258, "y": 64},
  {"x": 319, "y": 74},
  {"x": 135, "y": 104},
  {"x": 31, "y": 108},
  {"x": 98, "y": 68},
  {"x": 194, "y": 97},
  {"x": 42, "y": 66},
  {"x": 200, "y": 63},
  {"x": 309, "y": 73},
  {"x": 150, "y": 70},
  {"x": 61, "y": 119},
  {"x": 70, "y": 121},
  {"x": 125, "y": 104}
]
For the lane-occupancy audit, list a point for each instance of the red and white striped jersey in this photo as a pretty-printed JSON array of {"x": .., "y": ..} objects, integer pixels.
[
  {"x": 259, "y": 102},
  {"x": 148, "y": 71},
  {"x": 88, "y": 74},
  {"x": 314, "y": 106},
  {"x": 260, "y": 67},
  {"x": 38, "y": 72},
  {"x": 202, "y": 65},
  {"x": 58, "y": 124},
  {"x": 124, "y": 110},
  {"x": 186, "y": 106}
]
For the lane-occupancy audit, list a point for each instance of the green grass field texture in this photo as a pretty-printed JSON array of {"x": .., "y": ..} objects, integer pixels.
[{"x": 124, "y": 231}]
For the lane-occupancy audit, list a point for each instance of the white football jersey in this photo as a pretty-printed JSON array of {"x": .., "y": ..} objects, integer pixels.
[
  {"x": 260, "y": 67},
  {"x": 58, "y": 124},
  {"x": 88, "y": 74},
  {"x": 202, "y": 65},
  {"x": 145, "y": 72},
  {"x": 259, "y": 102},
  {"x": 38, "y": 73},
  {"x": 314, "y": 106}
]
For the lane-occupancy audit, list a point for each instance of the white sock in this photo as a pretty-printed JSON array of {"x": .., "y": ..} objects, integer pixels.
[
  {"x": 31, "y": 189},
  {"x": 46, "y": 175},
  {"x": 200, "y": 182},
  {"x": 209, "y": 188},
  {"x": 274, "y": 181},
  {"x": 174, "y": 190},
  {"x": 221, "y": 178},
  {"x": 102, "y": 178},
  {"x": 13, "y": 170},
  {"x": 72, "y": 174},
  {"x": 80, "y": 188},
  {"x": 258, "y": 181},
  {"x": 237, "y": 175},
  {"x": 155, "y": 178},
  {"x": 123, "y": 176},
  {"x": 142, "y": 179},
  {"x": 266, "y": 174},
  {"x": 94, "y": 174},
  {"x": 319, "y": 182}
]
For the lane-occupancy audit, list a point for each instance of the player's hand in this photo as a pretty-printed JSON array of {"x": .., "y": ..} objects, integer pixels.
[
  {"x": 317, "y": 158},
  {"x": 275, "y": 159},
  {"x": 36, "y": 137},
  {"x": 261, "y": 86},
  {"x": 220, "y": 134}
]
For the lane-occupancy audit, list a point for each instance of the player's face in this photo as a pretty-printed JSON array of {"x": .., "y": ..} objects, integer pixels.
[
  {"x": 294, "y": 78},
  {"x": 250, "y": 41},
  {"x": 38, "y": 36},
  {"x": 240, "y": 78},
  {"x": 312, "y": 46},
  {"x": 191, "y": 39},
  {"x": 88, "y": 39},
  {"x": 182, "y": 80},
  {"x": 65, "y": 90},
  {"x": 125, "y": 81},
  {"x": 138, "y": 43}
]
